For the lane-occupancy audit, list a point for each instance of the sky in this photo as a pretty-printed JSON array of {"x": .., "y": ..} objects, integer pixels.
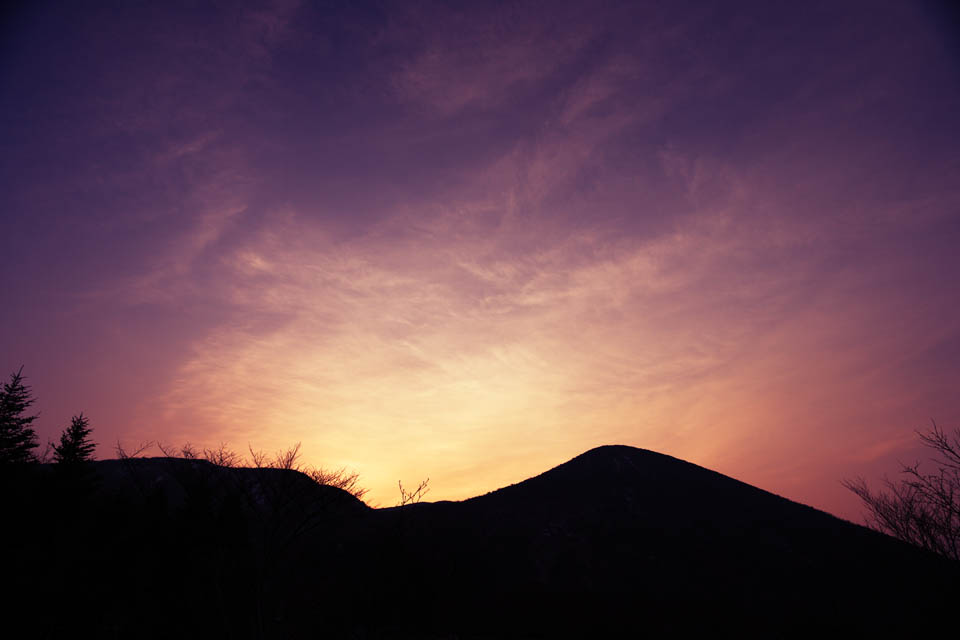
[{"x": 469, "y": 241}]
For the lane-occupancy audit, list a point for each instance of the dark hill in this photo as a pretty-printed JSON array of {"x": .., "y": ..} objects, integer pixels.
[
  {"x": 618, "y": 542},
  {"x": 181, "y": 481},
  {"x": 627, "y": 539}
]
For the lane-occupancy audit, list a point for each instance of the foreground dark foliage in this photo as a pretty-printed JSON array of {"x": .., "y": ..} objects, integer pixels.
[{"x": 618, "y": 541}]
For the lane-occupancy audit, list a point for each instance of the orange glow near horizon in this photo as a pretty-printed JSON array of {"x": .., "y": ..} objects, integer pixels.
[
  {"x": 472, "y": 242},
  {"x": 423, "y": 356}
]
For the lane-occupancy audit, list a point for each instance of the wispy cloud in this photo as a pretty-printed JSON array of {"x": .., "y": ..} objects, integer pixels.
[
  {"x": 482, "y": 59},
  {"x": 419, "y": 236}
]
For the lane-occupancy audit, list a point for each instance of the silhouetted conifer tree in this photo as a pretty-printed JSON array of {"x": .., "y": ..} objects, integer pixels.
[
  {"x": 17, "y": 437},
  {"x": 75, "y": 445}
]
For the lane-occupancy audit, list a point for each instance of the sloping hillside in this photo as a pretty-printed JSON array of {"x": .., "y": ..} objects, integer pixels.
[{"x": 635, "y": 539}]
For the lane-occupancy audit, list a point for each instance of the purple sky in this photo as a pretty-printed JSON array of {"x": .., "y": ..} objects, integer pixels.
[{"x": 471, "y": 242}]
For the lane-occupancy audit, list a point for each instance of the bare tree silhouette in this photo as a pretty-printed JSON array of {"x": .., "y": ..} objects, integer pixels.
[{"x": 922, "y": 508}]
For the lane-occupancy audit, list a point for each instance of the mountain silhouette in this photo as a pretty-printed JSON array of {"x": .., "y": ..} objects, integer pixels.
[
  {"x": 618, "y": 541},
  {"x": 625, "y": 539}
]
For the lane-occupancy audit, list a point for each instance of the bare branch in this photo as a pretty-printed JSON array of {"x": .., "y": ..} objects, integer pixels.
[
  {"x": 222, "y": 456},
  {"x": 415, "y": 496},
  {"x": 940, "y": 442},
  {"x": 123, "y": 454},
  {"x": 288, "y": 459},
  {"x": 257, "y": 458}
]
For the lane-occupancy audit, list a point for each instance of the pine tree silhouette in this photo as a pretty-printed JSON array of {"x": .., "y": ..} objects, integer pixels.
[
  {"x": 75, "y": 445},
  {"x": 17, "y": 437}
]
